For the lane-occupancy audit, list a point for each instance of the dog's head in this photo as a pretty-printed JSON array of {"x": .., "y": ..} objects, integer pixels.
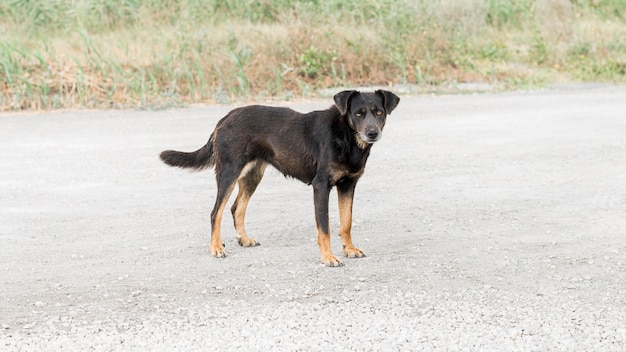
[{"x": 366, "y": 113}]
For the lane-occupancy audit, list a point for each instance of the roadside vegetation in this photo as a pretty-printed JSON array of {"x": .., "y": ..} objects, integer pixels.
[{"x": 161, "y": 53}]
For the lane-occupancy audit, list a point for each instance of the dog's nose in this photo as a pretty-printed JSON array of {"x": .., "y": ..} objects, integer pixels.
[{"x": 372, "y": 134}]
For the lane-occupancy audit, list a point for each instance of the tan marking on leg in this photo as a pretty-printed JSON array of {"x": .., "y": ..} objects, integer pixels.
[
  {"x": 323, "y": 240},
  {"x": 345, "y": 227},
  {"x": 217, "y": 245},
  {"x": 249, "y": 166},
  {"x": 241, "y": 203}
]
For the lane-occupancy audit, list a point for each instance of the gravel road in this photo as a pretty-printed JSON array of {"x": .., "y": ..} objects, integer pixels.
[{"x": 492, "y": 222}]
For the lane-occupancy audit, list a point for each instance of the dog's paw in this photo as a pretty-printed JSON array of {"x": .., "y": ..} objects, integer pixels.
[
  {"x": 247, "y": 242},
  {"x": 218, "y": 251},
  {"x": 353, "y": 252},
  {"x": 331, "y": 261}
]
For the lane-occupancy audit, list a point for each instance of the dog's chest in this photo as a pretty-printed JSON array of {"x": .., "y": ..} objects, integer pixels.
[
  {"x": 338, "y": 172},
  {"x": 348, "y": 160},
  {"x": 347, "y": 169}
]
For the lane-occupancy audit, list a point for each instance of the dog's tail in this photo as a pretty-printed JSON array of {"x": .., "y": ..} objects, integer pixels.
[{"x": 198, "y": 160}]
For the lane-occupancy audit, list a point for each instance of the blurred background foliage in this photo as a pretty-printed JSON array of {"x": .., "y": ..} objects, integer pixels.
[{"x": 160, "y": 53}]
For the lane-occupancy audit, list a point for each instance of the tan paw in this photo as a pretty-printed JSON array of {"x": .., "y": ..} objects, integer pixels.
[
  {"x": 353, "y": 252},
  {"x": 330, "y": 260},
  {"x": 247, "y": 242},
  {"x": 218, "y": 251}
]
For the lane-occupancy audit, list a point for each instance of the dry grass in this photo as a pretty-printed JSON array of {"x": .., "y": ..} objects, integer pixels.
[{"x": 118, "y": 53}]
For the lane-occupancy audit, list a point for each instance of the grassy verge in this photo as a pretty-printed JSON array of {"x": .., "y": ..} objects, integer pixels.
[{"x": 159, "y": 53}]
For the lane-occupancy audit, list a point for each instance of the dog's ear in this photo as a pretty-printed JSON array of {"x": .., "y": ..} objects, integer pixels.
[
  {"x": 390, "y": 100},
  {"x": 341, "y": 100}
]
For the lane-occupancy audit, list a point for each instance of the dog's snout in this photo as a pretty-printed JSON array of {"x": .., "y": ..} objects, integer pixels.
[{"x": 372, "y": 134}]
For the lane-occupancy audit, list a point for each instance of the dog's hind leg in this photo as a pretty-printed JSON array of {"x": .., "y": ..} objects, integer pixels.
[
  {"x": 345, "y": 195},
  {"x": 248, "y": 181},
  {"x": 225, "y": 183}
]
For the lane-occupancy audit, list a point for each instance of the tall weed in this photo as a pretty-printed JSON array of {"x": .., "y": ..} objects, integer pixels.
[{"x": 154, "y": 53}]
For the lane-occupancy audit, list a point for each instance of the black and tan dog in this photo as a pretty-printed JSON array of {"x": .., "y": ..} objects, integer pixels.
[{"x": 326, "y": 149}]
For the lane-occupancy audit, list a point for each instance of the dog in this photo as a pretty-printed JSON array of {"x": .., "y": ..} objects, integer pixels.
[{"x": 325, "y": 149}]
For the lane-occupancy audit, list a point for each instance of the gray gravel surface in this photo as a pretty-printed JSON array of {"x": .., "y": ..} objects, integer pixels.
[{"x": 492, "y": 222}]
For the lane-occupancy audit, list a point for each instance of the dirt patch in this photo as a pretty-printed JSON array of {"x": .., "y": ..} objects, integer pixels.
[{"x": 491, "y": 222}]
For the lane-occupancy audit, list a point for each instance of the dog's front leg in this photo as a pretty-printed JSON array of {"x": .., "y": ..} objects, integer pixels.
[
  {"x": 321, "y": 190},
  {"x": 345, "y": 195}
]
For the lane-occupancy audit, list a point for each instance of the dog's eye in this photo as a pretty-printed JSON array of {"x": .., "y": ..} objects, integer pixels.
[
  {"x": 378, "y": 112},
  {"x": 359, "y": 114}
]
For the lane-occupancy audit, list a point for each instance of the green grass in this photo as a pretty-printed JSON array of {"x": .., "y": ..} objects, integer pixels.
[{"x": 159, "y": 53}]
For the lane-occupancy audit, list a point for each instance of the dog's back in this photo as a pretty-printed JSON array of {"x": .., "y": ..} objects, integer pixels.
[
  {"x": 250, "y": 124},
  {"x": 288, "y": 140}
]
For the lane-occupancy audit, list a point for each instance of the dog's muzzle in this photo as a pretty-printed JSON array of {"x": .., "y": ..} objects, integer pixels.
[{"x": 371, "y": 136}]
